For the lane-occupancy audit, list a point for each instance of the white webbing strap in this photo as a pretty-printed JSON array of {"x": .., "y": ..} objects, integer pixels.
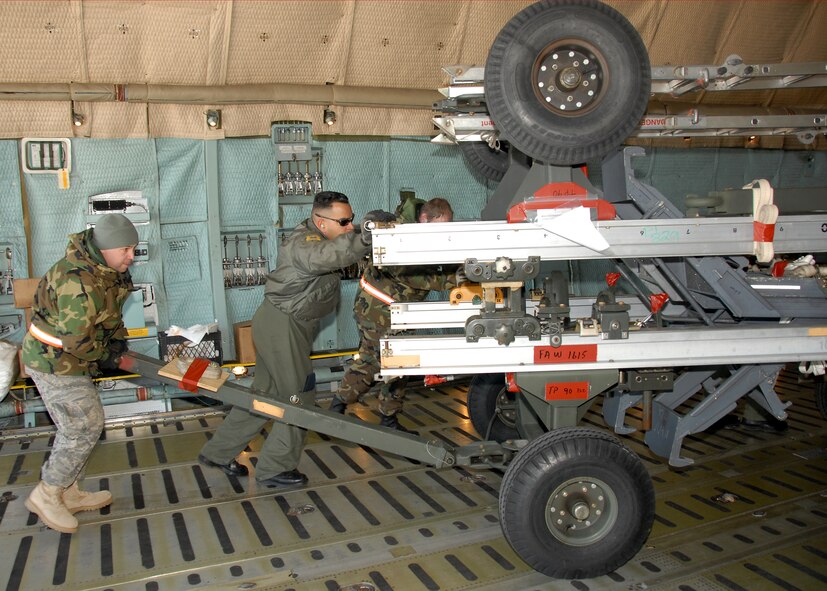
[{"x": 764, "y": 216}]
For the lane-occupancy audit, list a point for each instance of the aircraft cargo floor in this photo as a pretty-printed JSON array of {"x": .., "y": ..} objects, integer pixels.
[{"x": 371, "y": 520}]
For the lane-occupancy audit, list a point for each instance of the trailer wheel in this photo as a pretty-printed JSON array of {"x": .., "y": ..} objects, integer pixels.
[
  {"x": 821, "y": 397},
  {"x": 567, "y": 80},
  {"x": 576, "y": 503},
  {"x": 489, "y": 400},
  {"x": 491, "y": 164}
]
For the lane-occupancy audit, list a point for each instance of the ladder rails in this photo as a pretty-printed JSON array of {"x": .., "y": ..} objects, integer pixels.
[{"x": 466, "y": 118}]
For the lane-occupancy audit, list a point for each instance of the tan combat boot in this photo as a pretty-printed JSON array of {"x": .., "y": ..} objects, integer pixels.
[
  {"x": 47, "y": 503},
  {"x": 80, "y": 500}
]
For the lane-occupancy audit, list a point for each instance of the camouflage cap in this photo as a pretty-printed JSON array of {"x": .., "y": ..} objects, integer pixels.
[{"x": 114, "y": 230}]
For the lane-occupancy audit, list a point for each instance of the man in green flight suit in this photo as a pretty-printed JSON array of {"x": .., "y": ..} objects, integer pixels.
[
  {"x": 76, "y": 330},
  {"x": 303, "y": 288},
  {"x": 378, "y": 289}
]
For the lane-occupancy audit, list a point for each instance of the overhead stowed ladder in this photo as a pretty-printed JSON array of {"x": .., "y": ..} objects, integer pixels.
[{"x": 466, "y": 119}]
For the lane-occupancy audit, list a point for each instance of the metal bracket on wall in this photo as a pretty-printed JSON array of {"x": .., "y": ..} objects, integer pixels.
[
  {"x": 6, "y": 273},
  {"x": 299, "y": 186},
  {"x": 9, "y": 323}
]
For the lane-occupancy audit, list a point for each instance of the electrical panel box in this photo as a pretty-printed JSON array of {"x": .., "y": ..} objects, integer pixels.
[
  {"x": 133, "y": 314},
  {"x": 141, "y": 253},
  {"x": 45, "y": 155},
  {"x": 292, "y": 140},
  {"x": 299, "y": 169},
  {"x": 6, "y": 273},
  {"x": 132, "y": 204},
  {"x": 140, "y": 312}
]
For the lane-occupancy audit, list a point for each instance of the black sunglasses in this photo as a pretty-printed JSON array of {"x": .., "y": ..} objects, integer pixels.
[{"x": 341, "y": 221}]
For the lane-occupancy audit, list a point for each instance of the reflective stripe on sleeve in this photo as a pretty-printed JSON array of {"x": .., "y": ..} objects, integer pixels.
[
  {"x": 377, "y": 293},
  {"x": 45, "y": 337}
]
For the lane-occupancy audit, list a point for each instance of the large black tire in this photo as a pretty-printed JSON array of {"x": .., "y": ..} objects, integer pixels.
[
  {"x": 821, "y": 397},
  {"x": 486, "y": 396},
  {"x": 491, "y": 164},
  {"x": 576, "y": 503},
  {"x": 541, "y": 68}
]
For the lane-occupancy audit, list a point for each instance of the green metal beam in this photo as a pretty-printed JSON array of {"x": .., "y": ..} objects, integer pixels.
[{"x": 432, "y": 452}]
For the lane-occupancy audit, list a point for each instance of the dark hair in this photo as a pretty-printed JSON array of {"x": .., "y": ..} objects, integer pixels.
[
  {"x": 325, "y": 199},
  {"x": 436, "y": 207}
]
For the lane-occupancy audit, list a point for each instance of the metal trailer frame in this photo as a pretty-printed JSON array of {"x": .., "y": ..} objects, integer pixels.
[
  {"x": 719, "y": 316},
  {"x": 724, "y": 333}
]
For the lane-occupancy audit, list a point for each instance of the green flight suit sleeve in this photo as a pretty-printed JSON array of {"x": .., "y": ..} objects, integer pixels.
[{"x": 319, "y": 257}]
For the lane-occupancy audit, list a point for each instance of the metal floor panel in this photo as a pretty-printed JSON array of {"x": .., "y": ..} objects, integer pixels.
[{"x": 372, "y": 520}]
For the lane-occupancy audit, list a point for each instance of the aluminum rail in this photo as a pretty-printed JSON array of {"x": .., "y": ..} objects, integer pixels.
[
  {"x": 732, "y": 74},
  {"x": 433, "y": 314},
  {"x": 647, "y": 348},
  {"x": 431, "y": 452},
  {"x": 454, "y": 242}
]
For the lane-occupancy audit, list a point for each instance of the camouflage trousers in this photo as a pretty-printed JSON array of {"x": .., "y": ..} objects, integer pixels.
[
  {"x": 75, "y": 407},
  {"x": 373, "y": 321}
]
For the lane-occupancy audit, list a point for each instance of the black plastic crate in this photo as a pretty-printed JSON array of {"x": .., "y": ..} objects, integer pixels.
[{"x": 170, "y": 348}]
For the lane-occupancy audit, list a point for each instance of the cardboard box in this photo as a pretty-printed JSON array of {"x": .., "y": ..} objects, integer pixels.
[
  {"x": 245, "y": 350},
  {"x": 24, "y": 292}
]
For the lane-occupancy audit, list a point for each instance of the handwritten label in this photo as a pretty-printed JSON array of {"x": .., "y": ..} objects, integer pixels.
[
  {"x": 565, "y": 354},
  {"x": 567, "y": 391},
  {"x": 658, "y": 235}
]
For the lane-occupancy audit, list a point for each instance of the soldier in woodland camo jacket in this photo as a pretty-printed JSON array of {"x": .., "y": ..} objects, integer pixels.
[
  {"x": 378, "y": 288},
  {"x": 77, "y": 330}
]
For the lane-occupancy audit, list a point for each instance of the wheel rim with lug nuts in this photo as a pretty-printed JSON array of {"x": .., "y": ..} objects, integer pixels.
[
  {"x": 581, "y": 511},
  {"x": 568, "y": 77}
]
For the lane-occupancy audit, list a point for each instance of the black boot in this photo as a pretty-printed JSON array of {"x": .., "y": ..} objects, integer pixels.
[
  {"x": 337, "y": 405},
  {"x": 392, "y": 422}
]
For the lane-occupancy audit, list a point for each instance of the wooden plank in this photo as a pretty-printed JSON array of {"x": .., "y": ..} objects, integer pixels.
[{"x": 170, "y": 370}]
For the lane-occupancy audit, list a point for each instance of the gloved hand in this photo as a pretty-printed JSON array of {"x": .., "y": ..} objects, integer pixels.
[
  {"x": 364, "y": 229},
  {"x": 109, "y": 362},
  {"x": 117, "y": 347},
  {"x": 460, "y": 277},
  {"x": 379, "y": 215},
  {"x": 376, "y": 215}
]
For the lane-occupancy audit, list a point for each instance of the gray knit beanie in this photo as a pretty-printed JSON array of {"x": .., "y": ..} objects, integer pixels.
[{"x": 114, "y": 230}]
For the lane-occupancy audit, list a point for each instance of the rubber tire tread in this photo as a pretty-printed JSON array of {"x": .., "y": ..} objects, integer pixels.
[
  {"x": 485, "y": 161},
  {"x": 821, "y": 397},
  {"x": 525, "y": 123},
  {"x": 482, "y": 402},
  {"x": 556, "y": 450}
]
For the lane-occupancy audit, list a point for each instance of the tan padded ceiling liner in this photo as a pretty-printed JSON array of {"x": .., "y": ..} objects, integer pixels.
[
  {"x": 376, "y": 43},
  {"x": 288, "y": 42},
  {"x": 41, "y": 42},
  {"x": 161, "y": 42}
]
